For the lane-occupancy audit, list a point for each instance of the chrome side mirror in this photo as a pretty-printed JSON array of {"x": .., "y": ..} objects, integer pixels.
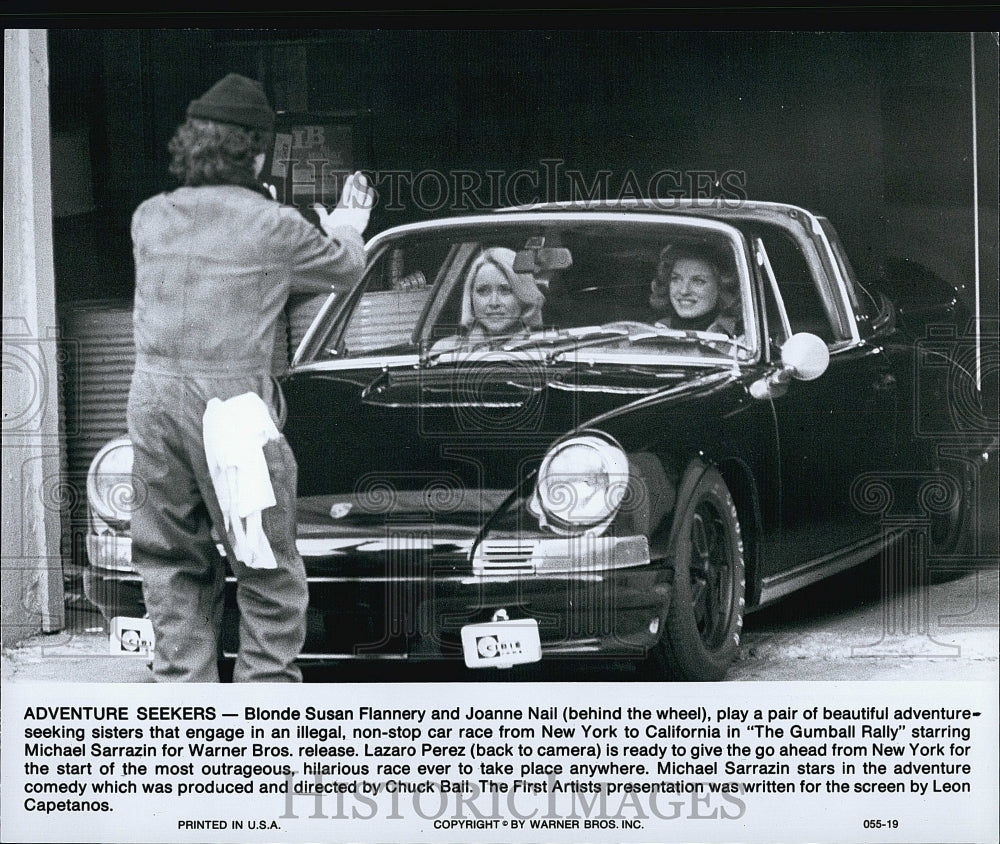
[{"x": 804, "y": 357}]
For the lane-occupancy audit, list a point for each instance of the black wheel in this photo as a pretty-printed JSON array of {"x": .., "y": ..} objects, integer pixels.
[{"x": 702, "y": 634}]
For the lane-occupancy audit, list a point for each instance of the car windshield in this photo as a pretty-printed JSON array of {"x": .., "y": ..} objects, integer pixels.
[{"x": 657, "y": 288}]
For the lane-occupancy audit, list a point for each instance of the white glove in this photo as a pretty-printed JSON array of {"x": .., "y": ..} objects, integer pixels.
[{"x": 354, "y": 208}]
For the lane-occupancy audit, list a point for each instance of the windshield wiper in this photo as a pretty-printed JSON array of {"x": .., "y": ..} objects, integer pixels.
[
  {"x": 571, "y": 337},
  {"x": 548, "y": 338},
  {"x": 637, "y": 332},
  {"x": 703, "y": 339},
  {"x": 559, "y": 342}
]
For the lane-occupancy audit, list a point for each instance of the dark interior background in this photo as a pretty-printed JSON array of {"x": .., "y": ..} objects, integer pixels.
[{"x": 873, "y": 130}]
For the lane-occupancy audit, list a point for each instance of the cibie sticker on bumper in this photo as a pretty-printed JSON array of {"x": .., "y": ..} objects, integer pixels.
[
  {"x": 501, "y": 644},
  {"x": 131, "y": 636}
]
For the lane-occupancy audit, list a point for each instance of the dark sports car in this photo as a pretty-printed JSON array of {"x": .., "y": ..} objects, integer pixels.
[{"x": 610, "y": 480}]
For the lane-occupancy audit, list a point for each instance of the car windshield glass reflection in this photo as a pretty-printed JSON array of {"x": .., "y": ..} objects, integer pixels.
[{"x": 658, "y": 289}]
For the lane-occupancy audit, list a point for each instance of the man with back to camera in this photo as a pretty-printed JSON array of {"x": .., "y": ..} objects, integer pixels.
[{"x": 215, "y": 261}]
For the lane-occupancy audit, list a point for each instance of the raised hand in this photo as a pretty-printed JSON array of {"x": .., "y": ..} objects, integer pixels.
[{"x": 355, "y": 206}]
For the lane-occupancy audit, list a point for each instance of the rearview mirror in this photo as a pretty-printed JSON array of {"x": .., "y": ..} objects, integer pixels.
[
  {"x": 542, "y": 259},
  {"x": 805, "y": 356}
]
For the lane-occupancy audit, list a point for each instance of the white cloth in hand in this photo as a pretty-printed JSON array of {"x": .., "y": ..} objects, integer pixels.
[{"x": 235, "y": 432}]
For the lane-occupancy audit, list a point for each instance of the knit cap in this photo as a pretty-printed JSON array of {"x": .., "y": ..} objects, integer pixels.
[{"x": 235, "y": 99}]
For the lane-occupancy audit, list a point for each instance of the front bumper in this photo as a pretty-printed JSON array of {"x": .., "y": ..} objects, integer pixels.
[{"x": 408, "y": 597}]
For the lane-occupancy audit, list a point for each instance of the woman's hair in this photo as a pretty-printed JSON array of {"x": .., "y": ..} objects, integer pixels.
[
  {"x": 729, "y": 290},
  {"x": 522, "y": 284},
  {"x": 204, "y": 152}
]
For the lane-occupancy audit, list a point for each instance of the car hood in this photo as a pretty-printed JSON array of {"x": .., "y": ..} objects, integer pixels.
[
  {"x": 448, "y": 442},
  {"x": 356, "y": 526}
]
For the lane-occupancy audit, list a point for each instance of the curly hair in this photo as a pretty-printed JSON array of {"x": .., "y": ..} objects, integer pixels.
[
  {"x": 729, "y": 291},
  {"x": 205, "y": 152}
]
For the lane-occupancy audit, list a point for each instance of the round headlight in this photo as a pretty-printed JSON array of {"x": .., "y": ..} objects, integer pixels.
[
  {"x": 581, "y": 484},
  {"x": 110, "y": 491}
]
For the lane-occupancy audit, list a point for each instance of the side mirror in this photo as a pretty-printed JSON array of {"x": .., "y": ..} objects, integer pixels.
[{"x": 805, "y": 356}]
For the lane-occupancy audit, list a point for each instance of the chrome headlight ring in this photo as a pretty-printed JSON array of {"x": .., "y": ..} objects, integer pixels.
[
  {"x": 581, "y": 484},
  {"x": 111, "y": 491}
]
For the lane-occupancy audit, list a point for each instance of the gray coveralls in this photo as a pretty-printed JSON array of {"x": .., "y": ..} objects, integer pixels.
[{"x": 214, "y": 267}]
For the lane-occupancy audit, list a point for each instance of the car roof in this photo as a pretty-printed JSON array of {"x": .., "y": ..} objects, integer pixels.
[
  {"x": 718, "y": 211},
  {"x": 718, "y": 208}
]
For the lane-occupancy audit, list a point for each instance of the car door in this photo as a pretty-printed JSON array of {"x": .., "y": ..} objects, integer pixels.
[{"x": 835, "y": 433}]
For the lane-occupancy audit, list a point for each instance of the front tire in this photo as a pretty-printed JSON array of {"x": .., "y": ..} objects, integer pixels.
[{"x": 702, "y": 634}]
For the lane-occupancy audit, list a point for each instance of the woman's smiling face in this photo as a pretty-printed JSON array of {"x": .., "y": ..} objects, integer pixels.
[
  {"x": 494, "y": 304},
  {"x": 694, "y": 287}
]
